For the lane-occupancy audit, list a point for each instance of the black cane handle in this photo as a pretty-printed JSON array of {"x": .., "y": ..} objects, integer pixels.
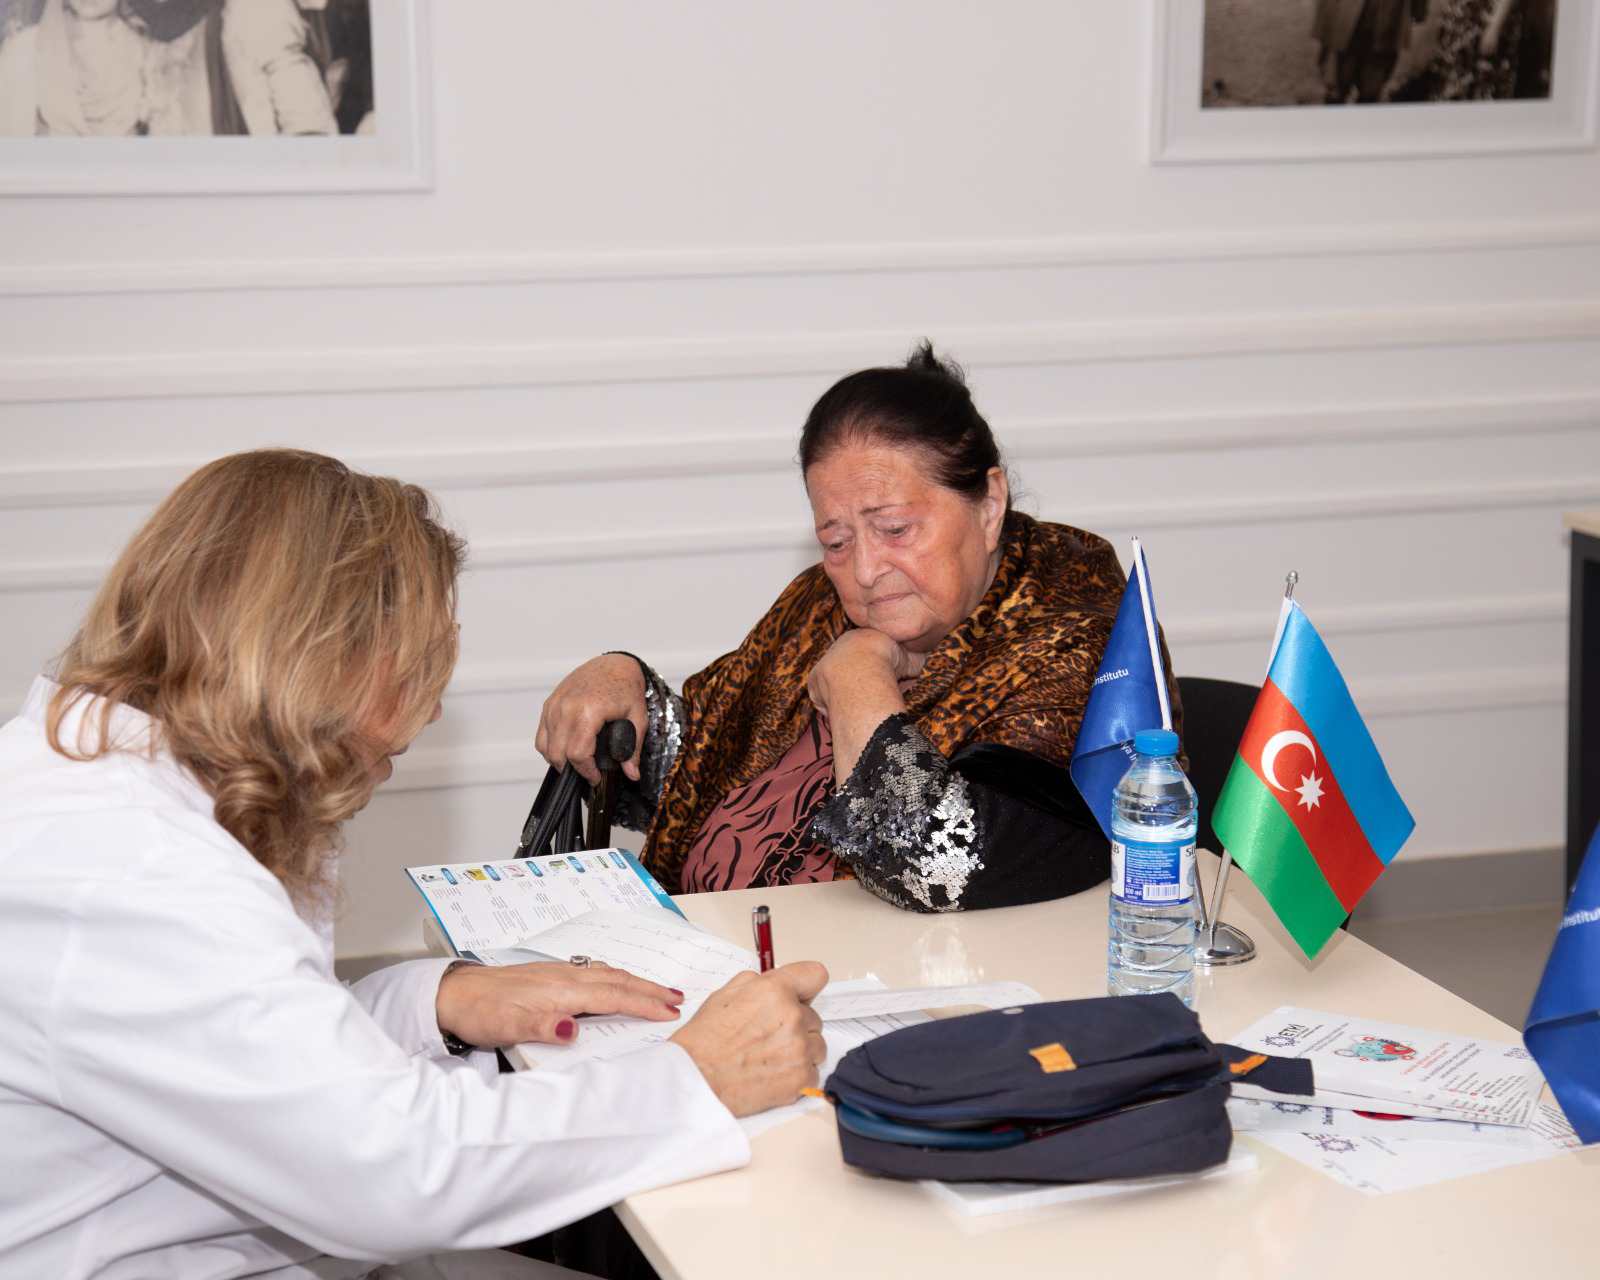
[{"x": 614, "y": 744}]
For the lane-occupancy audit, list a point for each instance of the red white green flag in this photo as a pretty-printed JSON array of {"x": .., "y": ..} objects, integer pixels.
[{"x": 1308, "y": 810}]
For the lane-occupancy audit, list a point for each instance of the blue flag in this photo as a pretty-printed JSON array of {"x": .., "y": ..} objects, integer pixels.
[
  {"x": 1129, "y": 694},
  {"x": 1563, "y": 1031}
]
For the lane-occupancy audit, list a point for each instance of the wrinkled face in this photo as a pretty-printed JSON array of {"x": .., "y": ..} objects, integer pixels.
[{"x": 908, "y": 557}]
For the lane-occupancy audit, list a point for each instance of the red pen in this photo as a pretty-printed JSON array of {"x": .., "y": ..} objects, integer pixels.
[{"x": 761, "y": 920}]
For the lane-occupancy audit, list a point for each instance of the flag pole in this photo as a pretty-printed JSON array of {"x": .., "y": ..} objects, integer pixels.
[
  {"x": 1153, "y": 643},
  {"x": 1226, "y": 944}
]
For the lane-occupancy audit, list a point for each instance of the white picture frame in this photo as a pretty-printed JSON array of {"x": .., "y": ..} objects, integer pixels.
[
  {"x": 1182, "y": 132},
  {"x": 396, "y": 156}
]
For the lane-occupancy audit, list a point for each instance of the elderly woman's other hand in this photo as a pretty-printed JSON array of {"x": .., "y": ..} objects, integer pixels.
[
  {"x": 856, "y": 685},
  {"x": 757, "y": 1041},
  {"x": 495, "y": 1006},
  {"x": 610, "y": 687}
]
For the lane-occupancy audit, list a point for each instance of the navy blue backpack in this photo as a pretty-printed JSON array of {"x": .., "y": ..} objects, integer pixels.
[{"x": 1066, "y": 1091}]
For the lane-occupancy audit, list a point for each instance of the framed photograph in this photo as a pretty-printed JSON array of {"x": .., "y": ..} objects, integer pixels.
[
  {"x": 1250, "y": 80},
  {"x": 208, "y": 96}
]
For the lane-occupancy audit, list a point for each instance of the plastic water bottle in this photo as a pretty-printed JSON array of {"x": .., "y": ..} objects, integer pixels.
[{"x": 1154, "y": 816}]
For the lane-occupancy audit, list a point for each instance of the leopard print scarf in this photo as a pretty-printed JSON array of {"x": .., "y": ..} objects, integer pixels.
[{"x": 1016, "y": 672}]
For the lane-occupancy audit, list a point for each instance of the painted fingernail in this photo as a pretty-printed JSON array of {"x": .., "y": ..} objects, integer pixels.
[
  {"x": 566, "y": 1029},
  {"x": 674, "y": 1008},
  {"x": 677, "y": 993}
]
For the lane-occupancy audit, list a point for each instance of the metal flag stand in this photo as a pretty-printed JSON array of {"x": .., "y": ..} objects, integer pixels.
[{"x": 1221, "y": 944}]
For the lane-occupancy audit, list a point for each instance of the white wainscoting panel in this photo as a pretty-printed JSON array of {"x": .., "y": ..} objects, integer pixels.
[{"x": 652, "y": 244}]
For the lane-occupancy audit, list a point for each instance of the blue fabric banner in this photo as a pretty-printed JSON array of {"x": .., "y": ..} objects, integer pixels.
[
  {"x": 1129, "y": 694},
  {"x": 1563, "y": 1031}
]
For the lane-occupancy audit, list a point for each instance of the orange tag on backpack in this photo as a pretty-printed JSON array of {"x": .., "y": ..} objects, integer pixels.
[
  {"x": 1247, "y": 1064},
  {"x": 1053, "y": 1057}
]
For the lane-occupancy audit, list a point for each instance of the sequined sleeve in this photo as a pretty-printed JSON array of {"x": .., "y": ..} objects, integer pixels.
[
  {"x": 993, "y": 827},
  {"x": 663, "y": 736}
]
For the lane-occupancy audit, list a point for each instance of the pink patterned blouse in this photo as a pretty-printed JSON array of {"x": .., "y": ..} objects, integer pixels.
[{"x": 756, "y": 836}]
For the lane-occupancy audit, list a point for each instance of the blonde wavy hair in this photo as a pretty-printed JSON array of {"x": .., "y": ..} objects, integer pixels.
[{"x": 286, "y": 622}]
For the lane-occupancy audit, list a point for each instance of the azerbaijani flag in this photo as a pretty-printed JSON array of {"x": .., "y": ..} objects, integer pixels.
[{"x": 1308, "y": 809}]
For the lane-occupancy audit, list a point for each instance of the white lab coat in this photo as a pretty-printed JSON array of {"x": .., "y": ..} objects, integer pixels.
[{"x": 186, "y": 1090}]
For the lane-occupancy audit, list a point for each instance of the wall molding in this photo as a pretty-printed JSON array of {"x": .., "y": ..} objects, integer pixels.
[
  {"x": 767, "y": 452},
  {"x": 443, "y": 271},
  {"x": 1163, "y": 513},
  {"x": 516, "y": 762},
  {"x": 1242, "y": 626},
  {"x": 248, "y": 373},
  {"x": 1214, "y": 511},
  {"x": 1408, "y": 694}
]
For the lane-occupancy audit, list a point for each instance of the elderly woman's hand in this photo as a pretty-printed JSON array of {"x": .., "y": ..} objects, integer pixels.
[
  {"x": 610, "y": 687},
  {"x": 495, "y": 1006},
  {"x": 856, "y": 685},
  {"x": 756, "y": 1041}
]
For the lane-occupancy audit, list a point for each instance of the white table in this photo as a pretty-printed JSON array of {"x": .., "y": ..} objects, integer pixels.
[{"x": 798, "y": 1211}]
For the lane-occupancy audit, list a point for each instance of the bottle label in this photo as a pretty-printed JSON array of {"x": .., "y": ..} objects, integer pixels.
[{"x": 1152, "y": 873}]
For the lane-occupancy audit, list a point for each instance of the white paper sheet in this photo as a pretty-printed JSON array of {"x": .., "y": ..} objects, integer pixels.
[
  {"x": 1388, "y": 1106},
  {"x": 1252, "y": 1116},
  {"x": 978, "y": 1199},
  {"x": 1377, "y": 1165},
  {"x": 988, "y": 995},
  {"x": 651, "y": 944},
  {"x": 1361, "y": 1059}
]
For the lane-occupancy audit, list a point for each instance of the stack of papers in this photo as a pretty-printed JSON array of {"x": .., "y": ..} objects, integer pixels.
[
  {"x": 979, "y": 1199},
  {"x": 665, "y": 948},
  {"x": 1395, "y": 1106},
  {"x": 603, "y": 904}
]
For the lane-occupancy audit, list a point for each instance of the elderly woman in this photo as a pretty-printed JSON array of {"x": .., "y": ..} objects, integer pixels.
[
  {"x": 187, "y": 1086},
  {"x": 905, "y": 712}
]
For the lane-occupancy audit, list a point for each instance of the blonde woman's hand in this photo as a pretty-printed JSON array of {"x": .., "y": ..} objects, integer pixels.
[
  {"x": 497, "y": 1005},
  {"x": 610, "y": 687},
  {"x": 757, "y": 1041}
]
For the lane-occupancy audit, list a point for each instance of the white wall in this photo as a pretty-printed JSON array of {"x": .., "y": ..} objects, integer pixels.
[{"x": 659, "y": 231}]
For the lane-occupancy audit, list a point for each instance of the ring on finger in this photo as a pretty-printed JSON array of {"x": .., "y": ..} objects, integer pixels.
[{"x": 582, "y": 962}]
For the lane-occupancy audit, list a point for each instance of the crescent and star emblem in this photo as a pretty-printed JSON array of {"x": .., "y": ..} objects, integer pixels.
[{"x": 1310, "y": 788}]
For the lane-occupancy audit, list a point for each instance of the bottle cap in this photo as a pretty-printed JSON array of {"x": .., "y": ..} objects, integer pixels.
[{"x": 1155, "y": 742}]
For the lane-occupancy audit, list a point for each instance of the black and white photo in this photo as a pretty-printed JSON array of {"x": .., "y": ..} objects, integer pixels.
[
  {"x": 1247, "y": 80},
  {"x": 101, "y": 96},
  {"x": 185, "y": 68},
  {"x": 1269, "y": 53}
]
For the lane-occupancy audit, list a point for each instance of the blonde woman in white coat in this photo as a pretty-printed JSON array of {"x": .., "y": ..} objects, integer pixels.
[{"x": 185, "y": 1089}]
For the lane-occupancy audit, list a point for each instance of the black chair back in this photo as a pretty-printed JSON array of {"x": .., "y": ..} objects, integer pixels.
[{"x": 1215, "y": 713}]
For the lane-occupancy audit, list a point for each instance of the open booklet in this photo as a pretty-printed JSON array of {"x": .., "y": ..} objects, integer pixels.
[
  {"x": 482, "y": 907},
  {"x": 665, "y": 948},
  {"x": 603, "y": 904}
]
